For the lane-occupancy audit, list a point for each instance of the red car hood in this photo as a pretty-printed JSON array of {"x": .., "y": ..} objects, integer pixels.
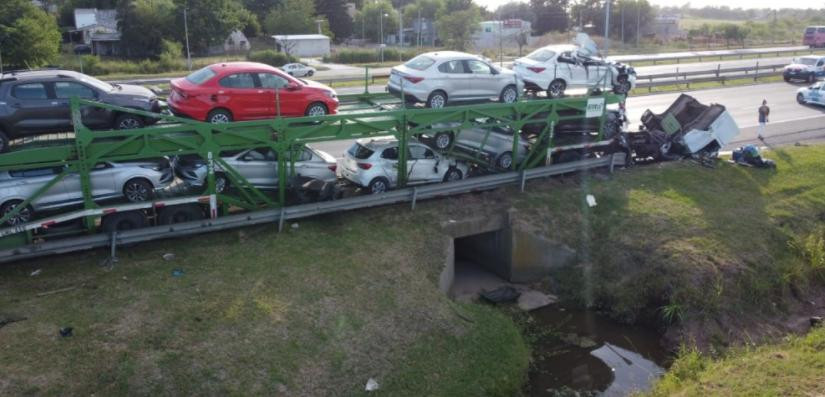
[{"x": 317, "y": 85}]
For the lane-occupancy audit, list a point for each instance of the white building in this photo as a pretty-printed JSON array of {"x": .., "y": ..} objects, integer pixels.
[
  {"x": 506, "y": 33},
  {"x": 302, "y": 45},
  {"x": 98, "y": 29},
  {"x": 235, "y": 43}
]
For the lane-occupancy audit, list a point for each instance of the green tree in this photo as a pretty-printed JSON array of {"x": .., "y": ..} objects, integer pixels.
[
  {"x": 28, "y": 36},
  {"x": 371, "y": 21},
  {"x": 549, "y": 15},
  {"x": 335, "y": 12},
  {"x": 291, "y": 17},
  {"x": 514, "y": 10},
  {"x": 261, "y": 8},
  {"x": 144, "y": 24},
  {"x": 210, "y": 22},
  {"x": 429, "y": 9},
  {"x": 457, "y": 22}
]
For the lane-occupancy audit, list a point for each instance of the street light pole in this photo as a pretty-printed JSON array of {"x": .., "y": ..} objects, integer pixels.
[
  {"x": 186, "y": 33},
  {"x": 606, "y": 27}
]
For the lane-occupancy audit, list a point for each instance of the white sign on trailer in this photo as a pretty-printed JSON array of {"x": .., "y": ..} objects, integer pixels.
[{"x": 595, "y": 107}]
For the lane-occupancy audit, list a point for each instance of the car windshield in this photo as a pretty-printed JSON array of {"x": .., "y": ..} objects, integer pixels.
[
  {"x": 420, "y": 62},
  {"x": 541, "y": 55},
  {"x": 810, "y": 30},
  {"x": 200, "y": 76},
  {"x": 360, "y": 152},
  {"x": 101, "y": 85},
  {"x": 807, "y": 61}
]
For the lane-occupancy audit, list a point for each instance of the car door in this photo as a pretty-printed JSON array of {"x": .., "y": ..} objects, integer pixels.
[
  {"x": 92, "y": 116},
  {"x": 258, "y": 166},
  {"x": 423, "y": 164},
  {"x": 483, "y": 83},
  {"x": 389, "y": 164},
  {"x": 819, "y": 69},
  {"x": 472, "y": 138},
  {"x": 102, "y": 177},
  {"x": 277, "y": 95},
  {"x": 29, "y": 181},
  {"x": 243, "y": 97},
  {"x": 595, "y": 72},
  {"x": 454, "y": 78},
  {"x": 310, "y": 165},
  {"x": 570, "y": 65},
  {"x": 34, "y": 109}
]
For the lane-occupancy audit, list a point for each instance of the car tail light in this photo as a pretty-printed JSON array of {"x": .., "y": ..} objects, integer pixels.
[
  {"x": 332, "y": 167},
  {"x": 535, "y": 69},
  {"x": 413, "y": 79},
  {"x": 364, "y": 166}
]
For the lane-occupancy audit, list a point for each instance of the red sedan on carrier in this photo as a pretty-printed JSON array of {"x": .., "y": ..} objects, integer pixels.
[{"x": 238, "y": 91}]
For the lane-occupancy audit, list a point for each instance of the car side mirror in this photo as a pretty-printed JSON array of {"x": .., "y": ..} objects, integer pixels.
[{"x": 293, "y": 86}]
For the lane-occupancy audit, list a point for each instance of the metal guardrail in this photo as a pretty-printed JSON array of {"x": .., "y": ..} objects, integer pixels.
[
  {"x": 700, "y": 55},
  {"x": 284, "y": 214}
]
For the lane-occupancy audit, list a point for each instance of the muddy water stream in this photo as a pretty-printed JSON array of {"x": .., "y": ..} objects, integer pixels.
[{"x": 581, "y": 351}]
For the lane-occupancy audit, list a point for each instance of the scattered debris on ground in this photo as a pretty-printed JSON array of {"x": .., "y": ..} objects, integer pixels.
[
  {"x": 36, "y": 272},
  {"x": 66, "y": 331},
  {"x": 532, "y": 300},
  {"x": 4, "y": 321},
  {"x": 372, "y": 385},
  {"x": 168, "y": 256},
  {"x": 177, "y": 272},
  {"x": 501, "y": 294}
]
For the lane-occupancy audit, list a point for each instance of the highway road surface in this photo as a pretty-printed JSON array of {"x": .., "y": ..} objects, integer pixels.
[{"x": 790, "y": 122}]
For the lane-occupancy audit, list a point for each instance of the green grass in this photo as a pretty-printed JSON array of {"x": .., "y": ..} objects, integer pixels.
[
  {"x": 794, "y": 367},
  {"x": 318, "y": 310},
  {"x": 704, "y": 85}
]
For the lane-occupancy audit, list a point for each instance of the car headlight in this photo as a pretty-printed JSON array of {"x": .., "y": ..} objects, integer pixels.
[{"x": 330, "y": 94}]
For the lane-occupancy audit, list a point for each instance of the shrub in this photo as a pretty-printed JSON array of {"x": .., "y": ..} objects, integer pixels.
[{"x": 271, "y": 57}]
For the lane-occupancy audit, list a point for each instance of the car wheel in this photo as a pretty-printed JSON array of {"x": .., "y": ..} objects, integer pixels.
[
  {"x": 316, "y": 109},
  {"x": 800, "y": 99},
  {"x": 811, "y": 78},
  {"x": 22, "y": 217},
  {"x": 4, "y": 142},
  {"x": 556, "y": 89},
  {"x": 137, "y": 190},
  {"x": 443, "y": 140},
  {"x": 221, "y": 183},
  {"x": 121, "y": 221},
  {"x": 505, "y": 161},
  {"x": 128, "y": 122},
  {"x": 787, "y": 79},
  {"x": 180, "y": 214},
  {"x": 622, "y": 88},
  {"x": 453, "y": 174},
  {"x": 379, "y": 185},
  {"x": 437, "y": 100},
  {"x": 509, "y": 94},
  {"x": 310, "y": 73},
  {"x": 219, "y": 116}
]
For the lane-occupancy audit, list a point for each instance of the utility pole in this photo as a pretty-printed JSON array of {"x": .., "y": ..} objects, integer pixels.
[
  {"x": 186, "y": 33},
  {"x": 401, "y": 29},
  {"x": 622, "y": 11},
  {"x": 606, "y": 27},
  {"x": 638, "y": 22},
  {"x": 418, "y": 41}
]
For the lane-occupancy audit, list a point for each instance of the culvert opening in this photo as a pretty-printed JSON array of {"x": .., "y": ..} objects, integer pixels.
[{"x": 480, "y": 263}]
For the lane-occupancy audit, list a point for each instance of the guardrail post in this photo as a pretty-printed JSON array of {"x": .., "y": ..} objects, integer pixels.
[
  {"x": 756, "y": 71},
  {"x": 718, "y": 68},
  {"x": 281, "y": 219},
  {"x": 366, "y": 79},
  {"x": 612, "y": 161},
  {"x": 650, "y": 87},
  {"x": 414, "y": 197},
  {"x": 523, "y": 177}
]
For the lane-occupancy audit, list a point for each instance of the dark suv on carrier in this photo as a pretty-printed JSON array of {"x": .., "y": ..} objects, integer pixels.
[{"x": 37, "y": 102}]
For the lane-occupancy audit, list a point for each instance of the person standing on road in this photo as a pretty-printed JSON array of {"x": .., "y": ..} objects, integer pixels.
[{"x": 764, "y": 111}]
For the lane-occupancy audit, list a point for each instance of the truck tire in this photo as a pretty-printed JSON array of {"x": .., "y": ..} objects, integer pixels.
[
  {"x": 179, "y": 214},
  {"x": 120, "y": 221}
]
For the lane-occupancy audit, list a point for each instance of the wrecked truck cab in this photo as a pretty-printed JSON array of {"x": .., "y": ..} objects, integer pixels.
[{"x": 692, "y": 128}]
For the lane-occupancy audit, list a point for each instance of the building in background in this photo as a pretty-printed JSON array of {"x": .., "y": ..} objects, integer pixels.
[
  {"x": 97, "y": 29},
  {"x": 235, "y": 43},
  {"x": 664, "y": 28},
  {"x": 303, "y": 45},
  {"x": 506, "y": 33}
]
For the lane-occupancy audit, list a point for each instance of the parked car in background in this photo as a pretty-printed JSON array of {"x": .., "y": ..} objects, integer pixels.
[
  {"x": 813, "y": 95},
  {"x": 133, "y": 181},
  {"x": 555, "y": 68},
  {"x": 37, "y": 102},
  {"x": 298, "y": 70},
  {"x": 806, "y": 68},
  {"x": 259, "y": 167},
  {"x": 238, "y": 91},
  {"x": 373, "y": 163},
  {"x": 814, "y": 36},
  {"x": 439, "y": 78}
]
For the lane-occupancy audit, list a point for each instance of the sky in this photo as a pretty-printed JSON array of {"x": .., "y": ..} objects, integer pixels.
[{"x": 492, "y": 4}]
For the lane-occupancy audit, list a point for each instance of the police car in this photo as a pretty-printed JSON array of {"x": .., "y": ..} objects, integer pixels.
[
  {"x": 806, "y": 68},
  {"x": 814, "y": 94}
]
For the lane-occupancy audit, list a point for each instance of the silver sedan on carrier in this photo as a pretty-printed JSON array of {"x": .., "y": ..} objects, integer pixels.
[
  {"x": 439, "y": 78},
  {"x": 259, "y": 167},
  {"x": 494, "y": 143},
  {"x": 134, "y": 181},
  {"x": 373, "y": 163}
]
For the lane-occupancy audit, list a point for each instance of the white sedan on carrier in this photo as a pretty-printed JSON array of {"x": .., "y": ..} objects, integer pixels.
[
  {"x": 814, "y": 95},
  {"x": 298, "y": 70}
]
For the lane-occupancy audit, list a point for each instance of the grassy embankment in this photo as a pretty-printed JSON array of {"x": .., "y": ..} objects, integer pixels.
[
  {"x": 314, "y": 311},
  {"x": 794, "y": 367},
  {"x": 718, "y": 254}
]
